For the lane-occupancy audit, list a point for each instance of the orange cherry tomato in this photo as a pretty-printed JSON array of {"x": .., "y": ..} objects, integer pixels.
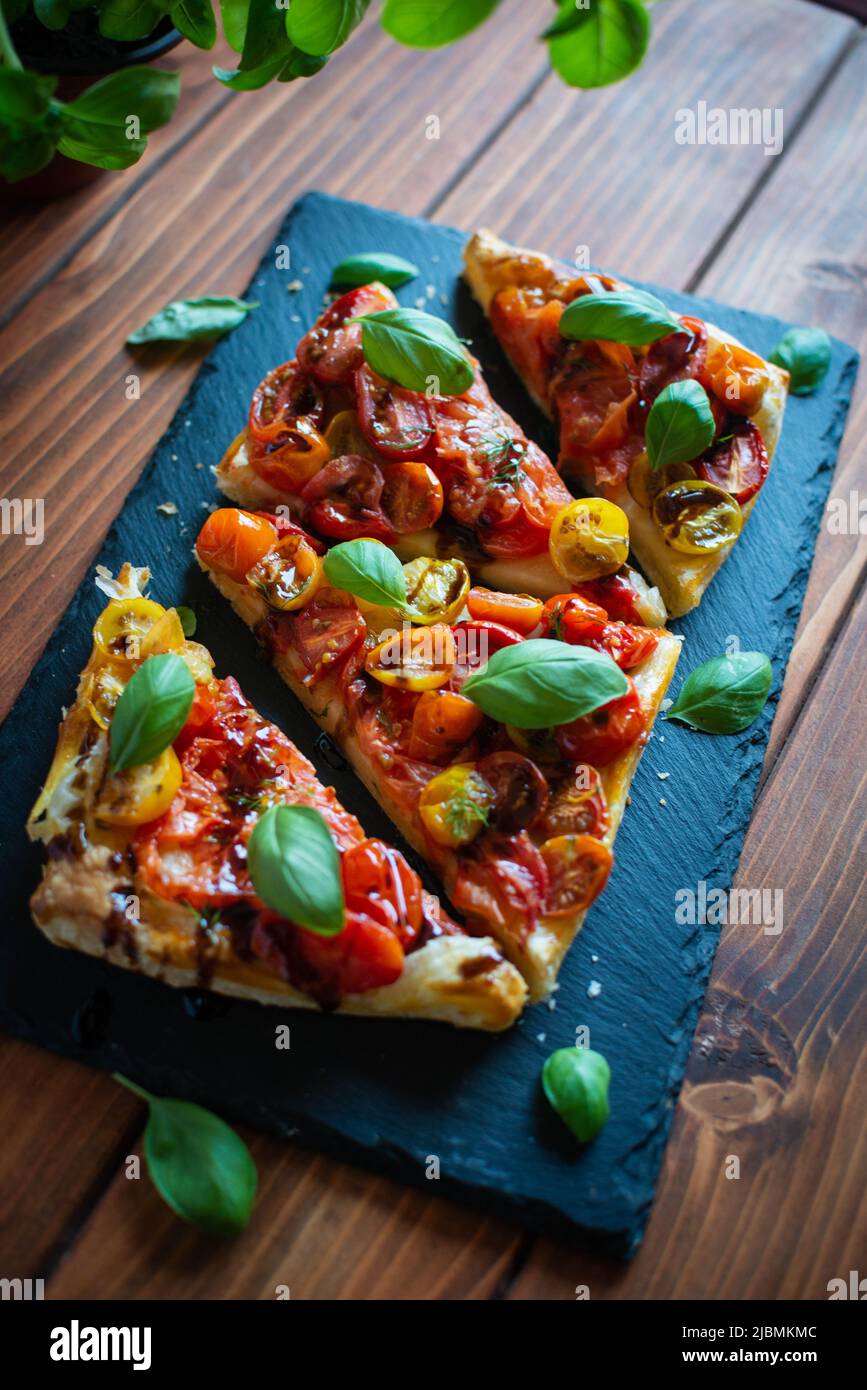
[
  {"x": 232, "y": 542},
  {"x": 578, "y": 868},
  {"x": 443, "y": 721},
  {"x": 735, "y": 375},
  {"x": 289, "y": 575},
  {"x": 606, "y": 734},
  {"x": 578, "y": 807},
  {"x": 412, "y": 497},
  {"x": 290, "y": 461},
  {"x": 521, "y": 612}
]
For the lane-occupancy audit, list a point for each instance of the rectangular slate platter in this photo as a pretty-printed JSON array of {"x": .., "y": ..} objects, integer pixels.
[{"x": 394, "y": 1094}]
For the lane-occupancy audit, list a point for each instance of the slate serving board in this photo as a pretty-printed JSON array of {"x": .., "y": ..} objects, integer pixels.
[{"x": 394, "y": 1094}]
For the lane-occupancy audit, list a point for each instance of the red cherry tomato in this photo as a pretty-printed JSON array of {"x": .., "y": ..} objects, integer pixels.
[
  {"x": 396, "y": 422},
  {"x": 676, "y": 357},
  {"x": 344, "y": 500},
  {"x": 572, "y": 618},
  {"x": 578, "y": 806},
  {"x": 503, "y": 885},
  {"x": 327, "y": 631},
  {"x": 520, "y": 790},
  {"x": 332, "y": 348},
  {"x": 476, "y": 642},
  {"x": 578, "y": 868},
  {"x": 738, "y": 464},
  {"x": 377, "y": 880},
  {"x": 540, "y": 488},
  {"x": 520, "y": 536},
  {"x": 412, "y": 497},
  {"x": 604, "y": 735},
  {"x": 286, "y": 394},
  {"x": 627, "y": 645}
]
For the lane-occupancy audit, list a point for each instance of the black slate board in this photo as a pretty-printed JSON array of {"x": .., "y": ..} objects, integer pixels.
[{"x": 390, "y": 1094}]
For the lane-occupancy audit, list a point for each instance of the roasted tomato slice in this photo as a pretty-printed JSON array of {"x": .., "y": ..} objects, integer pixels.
[
  {"x": 232, "y": 542},
  {"x": 738, "y": 464},
  {"x": 676, "y": 357},
  {"x": 539, "y": 486},
  {"x": 578, "y": 868},
  {"x": 578, "y": 807},
  {"x": 604, "y": 735},
  {"x": 344, "y": 500},
  {"x": 521, "y": 612},
  {"x": 332, "y": 348},
  {"x": 519, "y": 536},
  {"x": 443, "y": 721},
  {"x": 327, "y": 631},
  {"x": 396, "y": 422},
  {"x": 502, "y": 884},
  {"x": 286, "y": 394},
  {"x": 378, "y": 880},
  {"x": 365, "y": 955},
  {"x": 520, "y": 790},
  {"x": 412, "y": 497},
  {"x": 475, "y": 644}
]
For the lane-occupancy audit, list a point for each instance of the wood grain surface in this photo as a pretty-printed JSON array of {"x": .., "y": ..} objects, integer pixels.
[{"x": 778, "y": 1062}]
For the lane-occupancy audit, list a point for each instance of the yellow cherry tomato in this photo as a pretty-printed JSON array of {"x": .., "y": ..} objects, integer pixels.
[
  {"x": 166, "y": 635},
  {"x": 736, "y": 375},
  {"x": 420, "y": 658},
  {"x": 104, "y": 688},
  {"x": 289, "y": 575},
  {"x": 645, "y": 482},
  {"x": 697, "y": 518},
  {"x": 121, "y": 627},
  {"x": 589, "y": 538},
  {"x": 140, "y": 794},
  {"x": 436, "y": 590},
  {"x": 199, "y": 661},
  {"x": 454, "y": 806}
]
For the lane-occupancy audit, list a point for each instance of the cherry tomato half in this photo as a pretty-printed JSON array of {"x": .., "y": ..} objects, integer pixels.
[
  {"x": 520, "y": 790},
  {"x": 377, "y": 880},
  {"x": 412, "y": 497},
  {"x": 327, "y": 631},
  {"x": 578, "y": 868},
  {"x": 232, "y": 542},
  {"x": 476, "y": 643},
  {"x": 735, "y": 375},
  {"x": 572, "y": 618},
  {"x": 396, "y": 422},
  {"x": 697, "y": 518},
  {"x": 738, "y": 464},
  {"x": 286, "y": 394},
  {"x": 521, "y": 612},
  {"x": 602, "y": 736},
  {"x": 344, "y": 500},
  {"x": 332, "y": 348},
  {"x": 291, "y": 459},
  {"x": 442, "y": 722},
  {"x": 289, "y": 575},
  {"x": 578, "y": 807},
  {"x": 419, "y": 658},
  {"x": 589, "y": 537}
]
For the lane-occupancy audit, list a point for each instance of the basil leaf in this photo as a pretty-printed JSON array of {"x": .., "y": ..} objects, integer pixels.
[
  {"x": 144, "y": 92},
  {"x": 234, "y": 16},
  {"x": 197, "y": 1163},
  {"x": 680, "y": 425},
  {"x": 26, "y": 155},
  {"x": 151, "y": 711},
  {"x": 265, "y": 38},
  {"x": 187, "y": 619},
  {"x": 188, "y": 319},
  {"x": 25, "y": 97},
  {"x": 633, "y": 317},
  {"x": 537, "y": 683},
  {"x": 300, "y": 64},
  {"x": 195, "y": 19},
  {"x": 725, "y": 694},
  {"x": 369, "y": 570},
  {"x": 128, "y": 19},
  {"x": 295, "y": 868},
  {"x": 608, "y": 45},
  {"x": 416, "y": 350},
  {"x": 374, "y": 265},
  {"x": 318, "y": 27},
  {"x": 570, "y": 16},
  {"x": 249, "y": 79},
  {"x": 575, "y": 1081},
  {"x": 432, "y": 23},
  {"x": 52, "y": 13},
  {"x": 806, "y": 355}
]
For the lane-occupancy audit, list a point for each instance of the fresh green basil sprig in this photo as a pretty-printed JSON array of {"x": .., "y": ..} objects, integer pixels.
[
  {"x": 575, "y": 1081},
  {"x": 538, "y": 683},
  {"x": 374, "y": 265},
  {"x": 680, "y": 425},
  {"x": 633, "y": 317},
  {"x": 806, "y": 355},
  {"x": 197, "y": 1163},
  {"x": 417, "y": 350},
  {"x": 726, "y": 694},
  {"x": 295, "y": 868},
  {"x": 369, "y": 570},
  {"x": 602, "y": 42},
  {"x": 433, "y": 23},
  {"x": 185, "y": 320},
  {"x": 151, "y": 711}
]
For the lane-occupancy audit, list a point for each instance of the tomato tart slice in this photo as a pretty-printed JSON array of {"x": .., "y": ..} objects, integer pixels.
[
  {"x": 665, "y": 416},
  {"x": 178, "y": 825},
  {"x": 353, "y": 454},
  {"x": 499, "y": 732}
]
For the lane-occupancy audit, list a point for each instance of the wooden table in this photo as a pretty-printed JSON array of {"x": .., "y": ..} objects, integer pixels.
[{"x": 778, "y": 1070}]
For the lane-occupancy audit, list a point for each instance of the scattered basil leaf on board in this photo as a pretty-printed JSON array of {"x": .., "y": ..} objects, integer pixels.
[
  {"x": 295, "y": 868},
  {"x": 575, "y": 1081},
  {"x": 633, "y": 317},
  {"x": 185, "y": 320},
  {"x": 151, "y": 711},
  {"x": 417, "y": 350},
  {"x": 374, "y": 265},
  {"x": 725, "y": 694},
  {"x": 432, "y": 23},
  {"x": 605, "y": 46},
  {"x": 187, "y": 619},
  {"x": 537, "y": 683},
  {"x": 680, "y": 425},
  {"x": 197, "y": 1163},
  {"x": 369, "y": 570},
  {"x": 806, "y": 355},
  {"x": 318, "y": 27}
]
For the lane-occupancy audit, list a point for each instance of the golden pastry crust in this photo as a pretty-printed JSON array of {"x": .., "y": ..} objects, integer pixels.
[
  {"x": 92, "y": 898},
  {"x": 492, "y": 264}
]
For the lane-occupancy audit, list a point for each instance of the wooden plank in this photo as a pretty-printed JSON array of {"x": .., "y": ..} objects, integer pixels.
[
  {"x": 321, "y": 1229},
  {"x": 779, "y": 1068},
  {"x": 38, "y": 239},
  {"x": 64, "y": 1128},
  {"x": 70, "y": 436}
]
